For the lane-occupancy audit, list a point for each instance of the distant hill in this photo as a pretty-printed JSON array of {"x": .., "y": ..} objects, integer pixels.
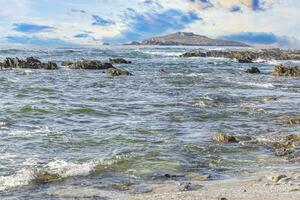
[{"x": 187, "y": 39}]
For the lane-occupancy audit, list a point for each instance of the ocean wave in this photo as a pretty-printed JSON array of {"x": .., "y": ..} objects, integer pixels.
[
  {"x": 259, "y": 85},
  {"x": 57, "y": 169}
]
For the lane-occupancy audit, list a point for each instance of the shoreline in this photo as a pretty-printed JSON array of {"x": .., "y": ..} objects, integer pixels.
[{"x": 264, "y": 185}]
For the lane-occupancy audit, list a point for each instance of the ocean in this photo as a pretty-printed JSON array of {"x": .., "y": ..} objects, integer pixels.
[{"x": 85, "y": 129}]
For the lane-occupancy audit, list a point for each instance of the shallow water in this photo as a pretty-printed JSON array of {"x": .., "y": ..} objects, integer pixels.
[{"x": 94, "y": 130}]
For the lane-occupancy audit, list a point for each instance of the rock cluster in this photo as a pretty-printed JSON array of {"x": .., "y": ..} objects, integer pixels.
[
  {"x": 247, "y": 56},
  {"x": 88, "y": 65},
  {"x": 284, "y": 70},
  {"x": 28, "y": 63}
]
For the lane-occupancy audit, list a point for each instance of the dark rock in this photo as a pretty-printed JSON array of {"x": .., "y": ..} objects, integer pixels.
[
  {"x": 117, "y": 72},
  {"x": 253, "y": 70},
  {"x": 221, "y": 137},
  {"x": 245, "y": 60},
  {"x": 90, "y": 65},
  {"x": 222, "y": 198},
  {"x": 162, "y": 71},
  {"x": 119, "y": 61},
  {"x": 29, "y": 63},
  {"x": 66, "y": 63},
  {"x": 283, "y": 70}
]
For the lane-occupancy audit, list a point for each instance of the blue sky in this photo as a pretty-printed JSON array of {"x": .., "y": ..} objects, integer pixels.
[{"x": 92, "y": 22}]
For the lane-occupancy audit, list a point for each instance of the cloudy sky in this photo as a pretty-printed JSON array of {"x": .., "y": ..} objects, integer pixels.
[{"x": 92, "y": 22}]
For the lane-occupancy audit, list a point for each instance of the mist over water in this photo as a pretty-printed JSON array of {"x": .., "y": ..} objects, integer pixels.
[{"x": 91, "y": 129}]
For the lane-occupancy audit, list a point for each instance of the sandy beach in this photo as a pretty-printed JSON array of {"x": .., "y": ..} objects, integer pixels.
[{"x": 253, "y": 189}]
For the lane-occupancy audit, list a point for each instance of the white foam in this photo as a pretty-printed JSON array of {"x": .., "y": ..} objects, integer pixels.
[
  {"x": 259, "y": 85},
  {"x": 69, "y": 169},
  {"x": 166, "y": 54},
  {"x": 62, "y": 168},
  {"x": 20, "y": 178}
]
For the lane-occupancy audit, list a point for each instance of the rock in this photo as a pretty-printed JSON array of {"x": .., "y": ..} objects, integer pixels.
[
  {"x": 221, "y": 137},
  {"x": 284, "y": 151},
  {"x": 66, "y": 63},
  {"x": 117, "y": 72},
  {"x": 292, "y": 121},
  {"x": 222, "y": 198},
  {"x": 162, "y": 71},
  {"x": 46, "y": 177},
  {"x": 1, "y": 65},
  {"x": 284, "y": 70},
  {"x": 29, "y": 63},
  {"x": 188, "y": 186},
  {"x": 245, "y": 60},
  {"x": 294, "y": 190},
  {"x": 118, "y": 61},
  {"x": 292, "y": 140},
  {"x": 253, "y": 70},
  {"x": 275, "y": 177},
  {"x": 198, "y": 177},
  {"x": 90, "y": 65},
  {"x": 122, "y": 186}
]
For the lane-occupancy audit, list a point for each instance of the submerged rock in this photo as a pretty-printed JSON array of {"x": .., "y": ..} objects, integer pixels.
[
  {"x": 122, "y": 186},
  {"x": 45, "y": 177},
  {"x": 284, "y": 70},
  {"x": 29, "y": 63},
  {"x": 221, "y": 137},
  {"x": 119, "y": 61},
  {"x": 117, "y": 72},
  {"x": 89, "y": 65},
  {"x": 253, "y": 70},
  {"x": 162, "y": 71},
  {"x": 291, "y": 121}
]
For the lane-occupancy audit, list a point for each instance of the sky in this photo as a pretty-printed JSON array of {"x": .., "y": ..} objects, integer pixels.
[{"x": 57, "y": 23}]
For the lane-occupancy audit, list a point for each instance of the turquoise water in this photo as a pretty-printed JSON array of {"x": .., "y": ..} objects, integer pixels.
[{"x": 89, "y": 129}]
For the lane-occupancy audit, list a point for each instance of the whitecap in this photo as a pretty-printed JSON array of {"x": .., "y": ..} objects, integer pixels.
[
  {"x": 20, "y": 178},
  {"x": 61, "y": 168},
  {"x": 259, "y": 85}
]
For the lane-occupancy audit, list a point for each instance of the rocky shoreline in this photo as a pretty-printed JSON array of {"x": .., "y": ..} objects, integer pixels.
[
  {"x": 247, "y": 56},
  {"x": 33, "y": 63}
]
